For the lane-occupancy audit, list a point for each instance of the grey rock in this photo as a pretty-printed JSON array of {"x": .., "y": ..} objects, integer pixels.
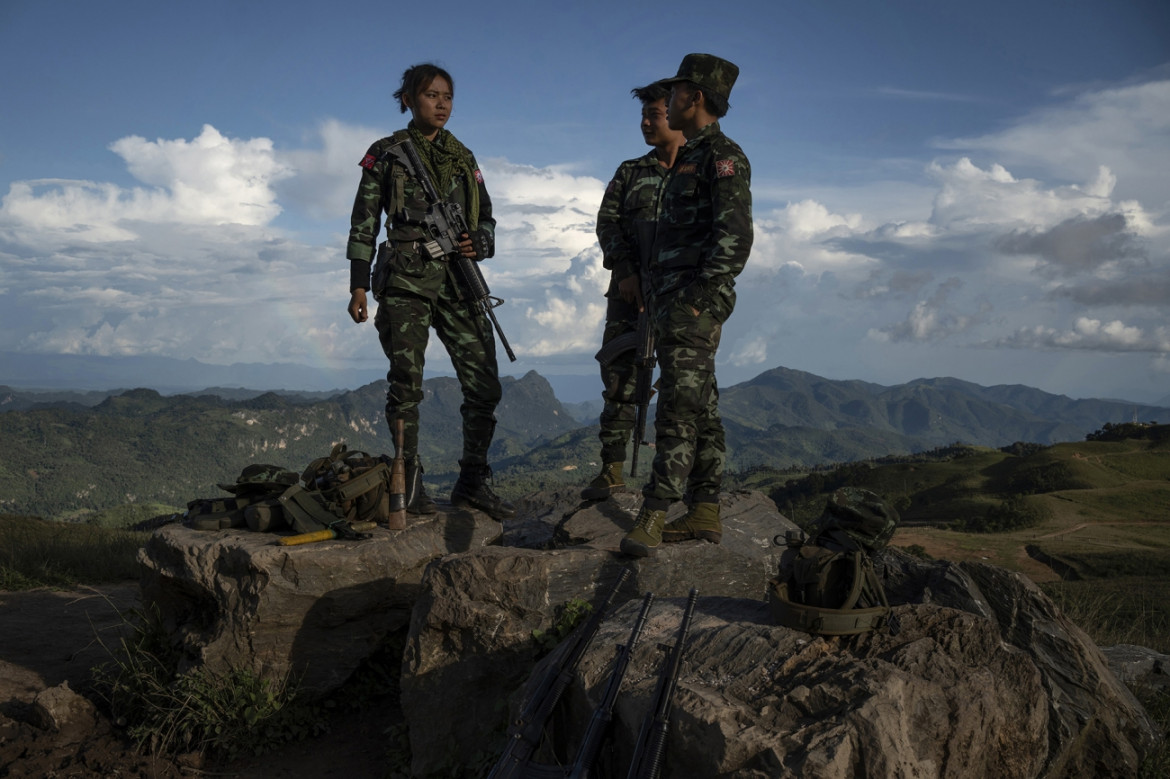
[
  {"x": 1139, "y": 666},
  {"x": 61, "y": 710},
  {"x": 238, "y": 599},
  {"x": 471, "y": 645}
]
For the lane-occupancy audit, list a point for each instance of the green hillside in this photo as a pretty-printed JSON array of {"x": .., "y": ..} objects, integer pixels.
[{"x": 1088, "y": 520}]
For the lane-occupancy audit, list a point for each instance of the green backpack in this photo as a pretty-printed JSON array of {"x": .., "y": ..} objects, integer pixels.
[
  {"x": 257, "y": 485},
  {"x": 827, "y": 584},
  {"x": 341, "y": 489}
]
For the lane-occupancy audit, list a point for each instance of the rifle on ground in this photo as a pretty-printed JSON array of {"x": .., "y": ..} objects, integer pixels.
[
  {"x": 603, "y": 714},
  {"x": 525, "y": 733},
  {"x": 652, "y": 738},
  {"x": 445, "y": 225},
  {"x": 641, "y": 342}
]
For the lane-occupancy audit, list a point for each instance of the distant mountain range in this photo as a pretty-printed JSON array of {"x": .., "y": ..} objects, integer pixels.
[{"x": 84, "y": 451}]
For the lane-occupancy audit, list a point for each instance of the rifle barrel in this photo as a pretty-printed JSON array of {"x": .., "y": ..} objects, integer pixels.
[{"x": 648, "y": 750}]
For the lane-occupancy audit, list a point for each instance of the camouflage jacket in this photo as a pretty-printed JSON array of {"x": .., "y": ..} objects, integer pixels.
[
  {"x": 625, "y": 221},
  {"x": 704, "y": 230},
  {"x": 386, "y": 188}
]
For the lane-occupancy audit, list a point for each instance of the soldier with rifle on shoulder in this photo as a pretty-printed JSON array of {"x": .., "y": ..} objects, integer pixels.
[
  {"x": 625, "y": 229},
  {"x": 416, "y": 283}
]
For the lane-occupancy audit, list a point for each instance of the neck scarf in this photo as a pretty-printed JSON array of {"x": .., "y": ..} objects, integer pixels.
[{"x": 444, "y": 157}]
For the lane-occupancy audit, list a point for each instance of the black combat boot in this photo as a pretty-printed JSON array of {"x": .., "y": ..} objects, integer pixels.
[
  {"x": 417, "y": 500},
  {"x": 472, "y": 491}
]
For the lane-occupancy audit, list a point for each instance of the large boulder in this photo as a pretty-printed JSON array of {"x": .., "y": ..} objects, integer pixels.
[
  {"x": 238, "y": 599},
  {"x": 984, "y": 677},
  {"x": 471, "y": 642}
]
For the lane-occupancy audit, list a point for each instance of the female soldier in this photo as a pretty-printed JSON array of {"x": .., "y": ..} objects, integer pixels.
[{"x": 416, "y": 291}]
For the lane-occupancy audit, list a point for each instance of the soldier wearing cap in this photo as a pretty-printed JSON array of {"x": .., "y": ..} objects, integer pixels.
[
  {"x": 702, "y": 239},
  {"x": 625, "y": 229}
]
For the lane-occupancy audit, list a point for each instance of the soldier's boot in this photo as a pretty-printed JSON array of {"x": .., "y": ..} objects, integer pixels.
[
  {"x": 701, "y": 521},
  {"x": 473, "y": 491},
  {"x": 647, "y": 533},
  {"x": 605, "y": 483},
  {"x": 417, "y": 500}
]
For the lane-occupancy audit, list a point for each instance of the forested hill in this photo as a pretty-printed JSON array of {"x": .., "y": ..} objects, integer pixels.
[{"x": 62, "y": 455}]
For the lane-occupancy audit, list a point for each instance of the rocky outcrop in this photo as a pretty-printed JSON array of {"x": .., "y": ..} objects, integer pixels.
[
  {"x": 984, "y": 678},
  {"x": 236, "y": 598}
]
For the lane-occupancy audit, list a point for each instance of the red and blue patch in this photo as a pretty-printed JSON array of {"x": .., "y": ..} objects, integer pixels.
[
  {"x": 368, "y": 161},
  {"x": 478, "y": 176}
]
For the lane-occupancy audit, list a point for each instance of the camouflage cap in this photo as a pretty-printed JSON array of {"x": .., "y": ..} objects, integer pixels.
[{"x": 708, "y": 71}]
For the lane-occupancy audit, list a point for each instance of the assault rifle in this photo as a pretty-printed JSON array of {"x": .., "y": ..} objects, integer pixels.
[
  {"x": 603, "y": 714},
  {"x": 642, "y": 342},
  {"x": 526, "y": 731},
  {"x": 445, "y": 225},
  {"x": 652, "y": 738}
]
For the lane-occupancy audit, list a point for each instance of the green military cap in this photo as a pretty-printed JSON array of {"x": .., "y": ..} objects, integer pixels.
[{"x": 709, "y": 72}]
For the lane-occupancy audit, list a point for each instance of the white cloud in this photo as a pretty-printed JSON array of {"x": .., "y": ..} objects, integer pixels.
[
  {"x": 1125, "y": 129},
  {"x": 211, "y": 180},
  {"x": 973, "y": 198},
  {"x": 1093, "y": 334}
]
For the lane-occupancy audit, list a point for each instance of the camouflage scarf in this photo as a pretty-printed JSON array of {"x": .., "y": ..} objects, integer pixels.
[{"x": 443, "y": 158}]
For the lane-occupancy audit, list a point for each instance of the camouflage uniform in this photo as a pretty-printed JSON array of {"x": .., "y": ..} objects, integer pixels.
[
  {"x": 625, "y": 223},
  {"x": 416, "y": 293},
  {"x": 702, "y": 241}
]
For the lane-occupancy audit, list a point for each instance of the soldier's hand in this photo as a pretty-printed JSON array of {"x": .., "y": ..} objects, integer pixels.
[
  {"x": 631, "y": 291},
  {"x": 358, "y": 308},
  {"x": 477, "y": 245}
]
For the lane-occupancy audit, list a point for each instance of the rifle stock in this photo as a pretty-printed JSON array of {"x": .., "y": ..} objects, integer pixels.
[
  {"x": 525, "y": 733},
  {"x": 647, "y": 758},
  {"x": 603, "y": 714},
  {"x": 445, "y": 224}
]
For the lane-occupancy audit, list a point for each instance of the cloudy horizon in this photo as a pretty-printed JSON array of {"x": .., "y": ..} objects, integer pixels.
[{"x": 1032, "y": 248}]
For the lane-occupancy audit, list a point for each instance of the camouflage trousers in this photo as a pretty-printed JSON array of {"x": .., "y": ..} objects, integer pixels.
[
  {"x": 689, "y": 451},
  {"x": 618, "y": 381},
  {"x": 403, "y": 322}
]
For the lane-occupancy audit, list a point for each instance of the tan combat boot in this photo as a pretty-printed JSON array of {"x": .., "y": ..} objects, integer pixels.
[
  {"x": 647, "y": 533},
  {"x": 605, "y": 483},
  {"x": 701, "y": 521}
]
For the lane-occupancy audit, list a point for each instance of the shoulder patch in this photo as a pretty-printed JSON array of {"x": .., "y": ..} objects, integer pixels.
[
  {"x": 724, "y": 168},
  {"x": 611, "y": 186},
  {"x": 478, "y": 176},
  {"x": 368, "y": 161}
]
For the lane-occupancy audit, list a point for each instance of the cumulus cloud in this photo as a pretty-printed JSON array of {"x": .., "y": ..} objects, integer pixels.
[
  {"x": 1092, "y": 334},
  {"x": 210, "y": 180},
  {"x": 972, "y": 198},
  {"x": 196, "y": 261},
  {"x": 1082, "y": 244},
  {"x": 933, "y": 319},
  {"x": 1124, "y": 128}
]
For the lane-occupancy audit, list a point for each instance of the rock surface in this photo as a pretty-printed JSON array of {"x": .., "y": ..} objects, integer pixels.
[
  {"x": 236, "y": 598},
  {"x": 985, "y": 676}
]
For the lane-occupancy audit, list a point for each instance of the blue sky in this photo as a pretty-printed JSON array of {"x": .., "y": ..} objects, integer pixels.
[{"x": 940, "y": 189}]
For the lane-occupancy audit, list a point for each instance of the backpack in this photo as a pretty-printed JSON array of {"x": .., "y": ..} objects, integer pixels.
[
  {"x": 351, "y": 485},
  {"x": 336, "y": 491},
  {"x": 827, "y": 584},
  {"x": 257, "y": 485}
]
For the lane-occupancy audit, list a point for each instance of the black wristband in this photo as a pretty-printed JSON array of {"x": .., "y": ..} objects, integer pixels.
[{"x": 359, "y": 274}]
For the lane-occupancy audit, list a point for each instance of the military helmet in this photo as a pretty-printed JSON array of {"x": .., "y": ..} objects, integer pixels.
[{"x": 711, "y": 73}]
